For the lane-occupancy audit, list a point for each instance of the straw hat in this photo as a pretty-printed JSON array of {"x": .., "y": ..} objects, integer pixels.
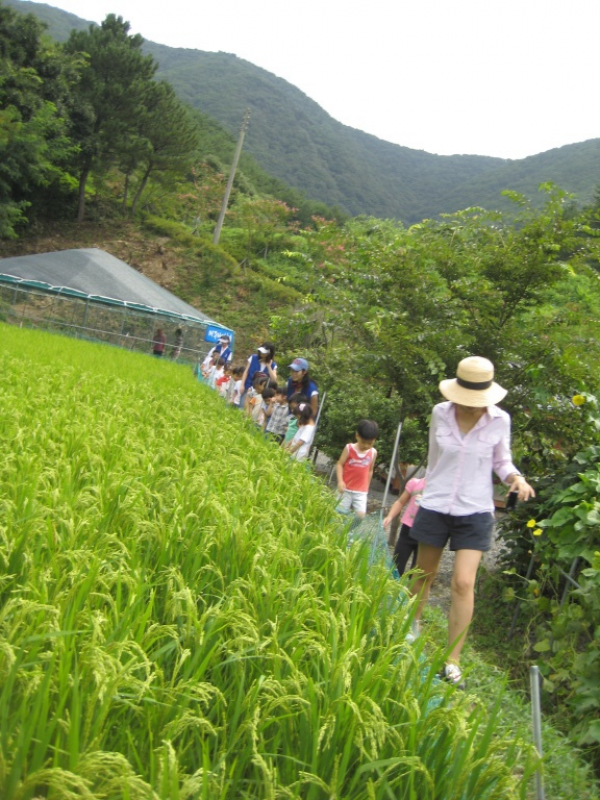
[{"x": 474, "y": 384}]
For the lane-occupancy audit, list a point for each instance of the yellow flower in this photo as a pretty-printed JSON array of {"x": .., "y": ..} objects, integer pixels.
[
  {"x": 532, "y": 523},
  {"x": 537, "y": 532},
  {"x": 578, "y": 400}
]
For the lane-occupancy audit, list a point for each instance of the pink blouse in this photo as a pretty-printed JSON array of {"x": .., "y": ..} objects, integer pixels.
[{"x": 459, "y": 468}]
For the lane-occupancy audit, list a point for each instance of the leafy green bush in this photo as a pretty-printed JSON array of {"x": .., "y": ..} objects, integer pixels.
[
  {"x": 562, "y": 594},
  {"x": 276, "y": 291},
  {"x": 167, "y": 227}
]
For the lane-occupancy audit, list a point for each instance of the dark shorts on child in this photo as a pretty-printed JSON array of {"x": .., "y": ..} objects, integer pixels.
[
  {"x": 471, "y": 532},
  {"x": 404, "y": 548}
]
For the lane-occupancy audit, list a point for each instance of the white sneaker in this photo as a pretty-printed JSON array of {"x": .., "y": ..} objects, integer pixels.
[
  {"x": 415, "y": 630},
  {"x": 452, "y": 673}
]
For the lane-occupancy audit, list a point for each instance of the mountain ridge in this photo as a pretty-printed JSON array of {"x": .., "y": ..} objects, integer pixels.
[{"x": 338, "y": 164}]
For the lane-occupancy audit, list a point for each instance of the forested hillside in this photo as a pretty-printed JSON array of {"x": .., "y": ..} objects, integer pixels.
[
  {"x": 575, "y": 167},
  {"x": 296, "y": 141}
]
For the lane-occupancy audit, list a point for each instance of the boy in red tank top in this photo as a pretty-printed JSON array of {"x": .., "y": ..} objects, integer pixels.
[{"x": 354, "y": 469}]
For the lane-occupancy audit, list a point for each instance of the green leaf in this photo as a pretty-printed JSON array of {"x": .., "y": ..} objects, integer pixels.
[
  {"x": 593, "y": 517},
  {"x": 542, "y": 647}
]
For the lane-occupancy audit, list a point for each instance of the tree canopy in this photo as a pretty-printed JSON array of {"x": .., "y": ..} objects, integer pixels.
[
  {"x": 113, "y": 93},
  {"x": 35, "y": 99}
]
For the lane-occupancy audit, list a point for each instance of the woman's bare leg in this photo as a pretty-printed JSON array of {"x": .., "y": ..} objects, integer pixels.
[
  {"x": 428, "y": 561},
  {"x": 466, "y": 563}
]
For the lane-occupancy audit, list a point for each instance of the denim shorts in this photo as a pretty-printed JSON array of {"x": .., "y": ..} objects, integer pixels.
[{"x": 471, "y": 532}]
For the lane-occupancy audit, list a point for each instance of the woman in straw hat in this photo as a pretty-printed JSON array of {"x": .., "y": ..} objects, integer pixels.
[{"x": 469, "y": 437}]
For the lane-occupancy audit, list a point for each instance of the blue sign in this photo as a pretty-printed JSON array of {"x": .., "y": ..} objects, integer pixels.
[{"x": 214, "y": 333}]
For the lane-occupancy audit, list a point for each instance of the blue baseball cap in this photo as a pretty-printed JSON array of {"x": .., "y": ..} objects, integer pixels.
[{"x": 298, "y": 364}]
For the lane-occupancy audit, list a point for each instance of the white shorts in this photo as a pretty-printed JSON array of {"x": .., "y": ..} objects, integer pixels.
[{"x": 349, "y": 501}]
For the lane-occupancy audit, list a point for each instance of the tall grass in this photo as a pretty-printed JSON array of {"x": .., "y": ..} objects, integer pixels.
[{"x": 180, "y": 616}]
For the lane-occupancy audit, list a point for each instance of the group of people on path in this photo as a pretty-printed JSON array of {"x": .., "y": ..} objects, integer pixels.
[
  {"x": 469, "y": 439},
  {"x": 453, "y": 502},
  {"x": 286, "y": 412}
]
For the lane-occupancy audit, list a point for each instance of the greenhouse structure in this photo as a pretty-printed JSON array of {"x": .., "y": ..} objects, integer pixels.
[{"x": 92, "y": 295}]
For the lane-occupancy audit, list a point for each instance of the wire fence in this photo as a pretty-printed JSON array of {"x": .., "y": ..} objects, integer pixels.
[{"x": 91, "y": 320}]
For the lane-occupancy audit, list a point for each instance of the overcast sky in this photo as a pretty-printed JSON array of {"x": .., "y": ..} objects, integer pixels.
[{"x": 506, "y": 78}]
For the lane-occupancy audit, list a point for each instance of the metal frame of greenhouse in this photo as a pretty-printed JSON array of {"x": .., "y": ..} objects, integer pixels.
[{"x": 89, "y": 294}]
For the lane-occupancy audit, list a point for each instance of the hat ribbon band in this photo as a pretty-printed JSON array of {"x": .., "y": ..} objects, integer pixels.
[{"x": 476, "y": 386}]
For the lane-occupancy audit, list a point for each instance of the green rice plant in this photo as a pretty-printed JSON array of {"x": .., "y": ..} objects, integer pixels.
[{"x": 181, "y": 615}]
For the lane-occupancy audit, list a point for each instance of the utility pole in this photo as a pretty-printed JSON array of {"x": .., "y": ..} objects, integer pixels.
[{"x": 238, "y": 150}]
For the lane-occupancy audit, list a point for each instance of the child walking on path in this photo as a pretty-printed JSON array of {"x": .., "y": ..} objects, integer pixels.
[
  {"x": 299, "y": 446},
  {"x": 409, "y": 501},
  {"x": 254, "y": 400},
  {"x": 276, "y": 415},
  {"x": 216, "y": 372},
  {"x": 292, "y": 426},
  {"x": 222, "y": 383},
  {"x": 237, "y": 387},
  {"x": 354, "y": 469},
  {"x": 267, "y": 398}
]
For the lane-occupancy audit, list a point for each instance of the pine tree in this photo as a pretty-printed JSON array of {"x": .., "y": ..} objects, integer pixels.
[
  {"x": 113, "y": 92},
  {"x": 171, "y": 137}
]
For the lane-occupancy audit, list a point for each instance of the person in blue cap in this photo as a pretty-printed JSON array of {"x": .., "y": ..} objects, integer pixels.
[{"x": 300, "y": 382}]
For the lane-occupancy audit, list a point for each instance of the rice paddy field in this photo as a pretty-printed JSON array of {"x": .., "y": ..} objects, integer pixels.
[{"x": 181, "y": 616}]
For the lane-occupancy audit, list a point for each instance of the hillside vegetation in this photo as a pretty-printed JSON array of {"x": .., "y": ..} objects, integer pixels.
[{"x": 296, "y": 141}]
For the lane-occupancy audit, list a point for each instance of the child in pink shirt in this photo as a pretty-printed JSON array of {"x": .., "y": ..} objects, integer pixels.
[{"x": 409, "y": 500}]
